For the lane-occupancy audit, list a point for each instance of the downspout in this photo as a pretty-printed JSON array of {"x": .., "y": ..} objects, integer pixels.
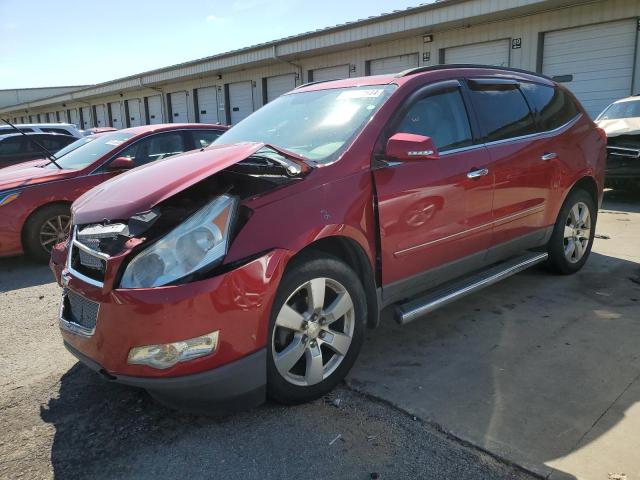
[{"x": 298, "y": 67}]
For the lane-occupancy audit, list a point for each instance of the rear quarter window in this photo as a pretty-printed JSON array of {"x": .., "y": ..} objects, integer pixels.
[
  {"x": 502, "y": 111},
  {"x": 551, "y": 105}
]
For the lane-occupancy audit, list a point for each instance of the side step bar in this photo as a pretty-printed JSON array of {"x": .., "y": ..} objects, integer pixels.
[{"x": 413, "y": 309}]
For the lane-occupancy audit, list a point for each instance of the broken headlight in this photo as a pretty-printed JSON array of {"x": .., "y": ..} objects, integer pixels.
[{"x": 198, "y": 242}]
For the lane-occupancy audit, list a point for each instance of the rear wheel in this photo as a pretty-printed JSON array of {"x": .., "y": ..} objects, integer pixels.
[
  {"x": 316, "y": 330},
  {"x": 573, "y": 233},
  {"x": 44, "y": 228}
]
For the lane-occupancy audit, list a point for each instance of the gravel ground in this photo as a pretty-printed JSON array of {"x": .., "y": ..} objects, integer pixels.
[{"x": 58, "y": 419}]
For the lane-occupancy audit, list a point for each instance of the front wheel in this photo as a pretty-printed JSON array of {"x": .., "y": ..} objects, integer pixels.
[
  {"x": 573, "y": 233},
  {"x": 316, "y": 329},
  {"x": 44, "y": 228}
]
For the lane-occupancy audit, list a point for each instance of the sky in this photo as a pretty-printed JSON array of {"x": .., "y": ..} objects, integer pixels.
[{"x": 68, "y": 42}]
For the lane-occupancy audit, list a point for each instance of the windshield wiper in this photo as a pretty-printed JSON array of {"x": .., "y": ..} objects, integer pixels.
[{"x": 41, "y": 147}]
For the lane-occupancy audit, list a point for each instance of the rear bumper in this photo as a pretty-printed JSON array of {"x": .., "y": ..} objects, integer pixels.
[{"x": 234, "y": 386}]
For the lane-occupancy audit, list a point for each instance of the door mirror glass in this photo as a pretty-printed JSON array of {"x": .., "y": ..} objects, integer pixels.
[
  {"x": 409, "y": 146},
  {"x": 121, "y": 163}
]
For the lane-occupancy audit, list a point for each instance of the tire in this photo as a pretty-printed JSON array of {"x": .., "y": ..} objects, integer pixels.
[
  {"x": 571, "y": 228},
  {"x": 313, "y": 335},
  {"x": 44, "y": 228}
]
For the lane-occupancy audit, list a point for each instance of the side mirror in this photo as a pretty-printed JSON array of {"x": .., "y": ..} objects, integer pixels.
[
  {"x": 121, "y": 163},
  {"x": 407, "y": 146}
]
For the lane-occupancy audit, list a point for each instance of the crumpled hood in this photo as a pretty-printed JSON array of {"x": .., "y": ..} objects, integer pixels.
[
  {"x": 29, "y": 173},
  {"x": 144, "y": 187},
  {"x": 620, "y": 126}
]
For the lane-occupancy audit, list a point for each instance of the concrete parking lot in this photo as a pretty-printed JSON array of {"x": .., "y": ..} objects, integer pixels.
[{"x": 537, "y": 376}]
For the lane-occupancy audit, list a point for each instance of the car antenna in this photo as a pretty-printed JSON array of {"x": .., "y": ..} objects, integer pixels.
[{"x": 47, "y": 152}]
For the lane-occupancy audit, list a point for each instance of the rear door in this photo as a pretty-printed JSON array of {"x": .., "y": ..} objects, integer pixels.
[
  {"x": 522, "y": 177},
  {"x": 435, "y": 221}
]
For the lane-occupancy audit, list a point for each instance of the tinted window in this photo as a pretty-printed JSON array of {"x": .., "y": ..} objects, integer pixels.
[
  {"x": 502, "y": 111},
  {"x": 56, "y": 130},
  {"x": 154, "y": 148},
  {"x": 626, "y": 109},
  {"x": 54, "y": 143},
  {"x": 442, "y": 117},
  {"x": 11, "y": 146},
  {"x": 552, "y": 106},
  {"x": 8, "y": 129},
  {"x": 204, "y": 138},
  {"x": 84, "y": 151}
]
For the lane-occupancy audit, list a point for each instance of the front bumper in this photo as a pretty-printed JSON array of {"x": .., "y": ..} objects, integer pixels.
[
  {"x": 235, "y": 386},
  {"x": 236, "y": 303}
]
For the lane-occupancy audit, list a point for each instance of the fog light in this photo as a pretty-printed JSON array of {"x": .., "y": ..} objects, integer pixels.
[{"x": 168, "y": 354}]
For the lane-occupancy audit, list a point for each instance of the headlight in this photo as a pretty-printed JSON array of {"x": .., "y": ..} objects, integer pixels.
[
  {"x": 198, "y": 242},
  {"x": 168, "y": 354},
  {"x": 8, "y": 197}
]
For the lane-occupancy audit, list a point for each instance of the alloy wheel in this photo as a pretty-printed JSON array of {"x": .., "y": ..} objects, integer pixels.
[
  {"x": 577, "y": 232},
  {"x": 313, "y": 331},
  {"x": 54, "y": 230}
]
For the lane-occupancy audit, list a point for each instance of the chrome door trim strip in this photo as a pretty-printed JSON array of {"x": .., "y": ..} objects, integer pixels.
[{"x": 493, "y": 223}]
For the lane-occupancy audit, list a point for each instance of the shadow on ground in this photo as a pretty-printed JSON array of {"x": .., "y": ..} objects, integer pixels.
[{"x": 21, "y": 272}]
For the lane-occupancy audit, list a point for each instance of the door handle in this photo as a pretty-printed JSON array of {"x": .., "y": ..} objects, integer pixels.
[
  {"x": 548, "y": 156},
  {"x": 478, "y": 172}
]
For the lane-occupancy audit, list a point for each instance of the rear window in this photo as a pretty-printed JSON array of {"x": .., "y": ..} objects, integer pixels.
[
  {"x": 56, "y": 130},
  {"x": 551, "y": 105},
  {"x": 502, "y": 111}
]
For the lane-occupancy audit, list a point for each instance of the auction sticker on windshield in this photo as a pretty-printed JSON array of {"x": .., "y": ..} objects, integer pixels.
[{"x": 352, "y": 94}]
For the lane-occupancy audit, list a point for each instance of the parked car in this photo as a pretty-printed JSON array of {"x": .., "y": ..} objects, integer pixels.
[
  {"x": 621, "y": 123},
  {"x": 35, "y": 197},
  {"x": 18, "y": 148},
  {"x": 255, "y": 265},
  {"x": 61, "y": 128}
]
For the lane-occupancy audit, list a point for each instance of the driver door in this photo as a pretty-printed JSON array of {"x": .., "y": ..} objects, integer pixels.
[{"x": 434, "y": 214}]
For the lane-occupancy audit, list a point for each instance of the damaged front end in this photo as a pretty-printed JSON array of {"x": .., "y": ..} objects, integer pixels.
[{"x": 183, "y": 234}]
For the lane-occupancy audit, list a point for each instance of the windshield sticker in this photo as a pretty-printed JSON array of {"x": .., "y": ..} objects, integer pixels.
[
  {"x": 115, "y": 143},
  {"x": 351, "y": 94}
]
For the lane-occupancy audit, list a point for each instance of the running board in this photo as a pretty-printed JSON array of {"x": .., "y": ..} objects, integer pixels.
[{"x": 411, "y": 310}]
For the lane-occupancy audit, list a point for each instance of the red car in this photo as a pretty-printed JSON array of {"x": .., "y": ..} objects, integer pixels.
[
  {"x": 253, "y": 267},
  {"x": 35, "y": 196}
]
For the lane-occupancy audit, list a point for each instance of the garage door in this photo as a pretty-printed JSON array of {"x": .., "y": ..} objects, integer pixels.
[
  {"x": 240, "y": 101},
  {"x": 101, "y": 116},
  {"x": 135, "y": 112},
  {"x": 178, "y": 102},
  {"x": 595, "y": 62},
  {"x": 73, "y": 116},
  {"x": 154, "y": 104},
  {"x": 280, "y": 84},
  {"x": 116, "y": 115},
  {"x": 485, "y": 53},
  {"x": 61, "y": 116},
  {"x": 208, "y": 105},
  {"x": 329, "y": 73},
  {"x": 393, "y": 64},
  {"x": 86, "y": 117}
]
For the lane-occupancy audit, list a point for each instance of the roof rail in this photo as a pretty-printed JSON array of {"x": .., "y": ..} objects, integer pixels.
[{"x": 412, "y": 71}]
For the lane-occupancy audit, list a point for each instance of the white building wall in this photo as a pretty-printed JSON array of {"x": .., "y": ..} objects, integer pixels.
[{"x": 377, "y": 40}]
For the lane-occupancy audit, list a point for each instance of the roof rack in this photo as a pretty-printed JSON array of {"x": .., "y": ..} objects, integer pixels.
[{"x": 412, "y": 71}]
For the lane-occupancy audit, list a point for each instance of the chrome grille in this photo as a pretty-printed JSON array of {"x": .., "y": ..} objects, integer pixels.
[
  {"x": 79, "y": 311},
  {"x": 90, "y": 261}
]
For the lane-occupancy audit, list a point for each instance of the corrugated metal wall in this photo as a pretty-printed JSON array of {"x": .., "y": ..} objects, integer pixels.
[{"x": 526, "y": 28}]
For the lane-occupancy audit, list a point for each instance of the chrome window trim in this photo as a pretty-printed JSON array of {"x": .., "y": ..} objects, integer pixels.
[{"x": 544, "y": 134}]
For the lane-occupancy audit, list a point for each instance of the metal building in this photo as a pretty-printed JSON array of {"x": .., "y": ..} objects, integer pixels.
[{"x": 589, "y": 45}]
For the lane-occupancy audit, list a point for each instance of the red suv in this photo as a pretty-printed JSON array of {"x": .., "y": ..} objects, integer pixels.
[
  {"x": 253, "y": 267},
  {"x": 35, "y": 196}
]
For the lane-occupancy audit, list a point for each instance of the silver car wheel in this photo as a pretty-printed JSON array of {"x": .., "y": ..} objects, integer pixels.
[
  {"x": 54, "y": 230},
  {"x": 313, "y": 331},
  {"x": 577, "y": 232}
]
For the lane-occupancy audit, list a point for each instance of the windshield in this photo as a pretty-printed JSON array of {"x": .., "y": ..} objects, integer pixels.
[
  {"x": 629, "y": 109},
  {"x": 85, "y": 151},
  {"x": 317, "y": 125}
]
